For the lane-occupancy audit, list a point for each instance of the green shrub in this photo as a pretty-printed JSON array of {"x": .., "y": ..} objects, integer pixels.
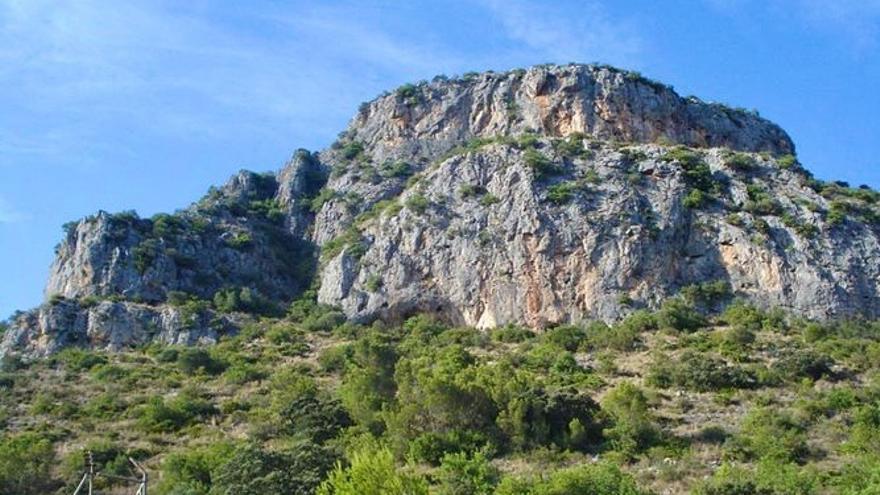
[
  {"x": 633, "y": 428},
  {"x": 26, "y": 465},
  {"x": 623, "y": 336},
  {"x": 352, "y": 150},
  {"x": 741, "y": 162},
  {"x": 461, "y": 474},
  {"x": 471, "y": 190},
  {"x": 803, "y": 363},
  {"x": 192, "y": 360},
  {"x": 313, "y": 415},
  {"x": 760, "y": 202},
  {"x": 254, "y": 470},
  {"x": 540, "y": 164},
  {"x": 399, "y": 169},
  {"x": 334, "y": 359},
  {"x": 372, "y": 470},
  {"x": 588, "y": 479},
  {"x": 432, "y": 447},
  {"x": 572, "y": 146},
  {"x": 240, "y": 241},
  {"x": 489, "y": 199},
  {"x": 144, "y": 254},
  {"x": 769, "y": 433},
  {"x": 787, "y": 161},
  {"x": 562, "y": 193},
  {"x": 694, "y": 199},
  {"x": 568, "y": 337},
  {"x": 75, "y": 360},
  {"x": 188, "y": 407},
  {"x": 512, "y": 334},
  {"x": 678, "y": 314},
  {"x": 192, "y": 470},
  {"x": 324, "y": 195},
  {"x": 418, "y": 203},
  {"x": 700, "y": 372}
]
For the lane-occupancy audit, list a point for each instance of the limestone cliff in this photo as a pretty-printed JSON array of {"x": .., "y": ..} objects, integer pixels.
[{"x": 541, "y": 196}]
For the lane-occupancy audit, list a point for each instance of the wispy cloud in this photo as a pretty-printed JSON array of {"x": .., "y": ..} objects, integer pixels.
[
  {"x": 582, "y": 32},
  {"x": 854, "y": 23},
  {"x": 858, "y": 21},
  {"x": 179, "y": 69},
  {"x": 8, "y": 214}
]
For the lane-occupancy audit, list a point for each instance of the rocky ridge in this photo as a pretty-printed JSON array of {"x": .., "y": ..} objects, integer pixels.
[{"x": 542, "y": 196}]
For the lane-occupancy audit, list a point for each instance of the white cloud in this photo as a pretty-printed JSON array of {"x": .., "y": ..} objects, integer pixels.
[
  {"x": 855, "y": 23},
  {"x": 8, "y": 214},
  {"x": 858, "y": 21},
  {"x": 563, "y": 34}
]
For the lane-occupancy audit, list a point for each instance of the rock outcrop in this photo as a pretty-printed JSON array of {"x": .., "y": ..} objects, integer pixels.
[{"x": 541, "y": 196}]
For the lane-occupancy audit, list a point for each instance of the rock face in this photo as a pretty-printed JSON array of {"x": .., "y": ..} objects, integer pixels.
[
  {"x": 541, "y": 196},
  {"x": 111, "y": 326},
  {"x": 483, "y": 240}
]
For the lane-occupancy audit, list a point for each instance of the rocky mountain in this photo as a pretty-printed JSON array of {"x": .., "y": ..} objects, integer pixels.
[{"x": 542, "y": 196}]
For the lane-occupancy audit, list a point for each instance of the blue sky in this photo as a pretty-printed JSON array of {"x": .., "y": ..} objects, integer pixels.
[{"x": 143, "y": 104}]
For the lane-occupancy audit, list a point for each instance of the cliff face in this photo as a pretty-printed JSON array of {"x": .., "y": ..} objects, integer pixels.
[{"x": 542, "y": 196}]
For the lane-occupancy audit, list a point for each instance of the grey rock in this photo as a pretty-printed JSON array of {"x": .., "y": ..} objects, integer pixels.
[{"x": 431, "y": 203}]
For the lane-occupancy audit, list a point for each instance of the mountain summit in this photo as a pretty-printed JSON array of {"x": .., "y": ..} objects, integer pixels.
[{"x": 542, "y": 196}]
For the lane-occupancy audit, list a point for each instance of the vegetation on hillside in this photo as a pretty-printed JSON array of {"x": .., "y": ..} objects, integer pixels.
[{"x": 706, "y": 395}]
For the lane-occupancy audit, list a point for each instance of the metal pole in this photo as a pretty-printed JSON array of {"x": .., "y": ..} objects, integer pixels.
[
  {"x": 81, "y": 483},
  {"x": 143, "y": 488},
  {"x": 91, "y": 471}
]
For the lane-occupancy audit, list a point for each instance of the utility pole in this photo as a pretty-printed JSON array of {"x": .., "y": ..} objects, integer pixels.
[
  {"x": 142, "y": 489},
  {"x": 89, "y": 474}
]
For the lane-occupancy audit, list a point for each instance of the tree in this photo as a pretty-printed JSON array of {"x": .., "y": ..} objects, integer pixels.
[
  {"x": 26, "y": 463},
  {"x": 372, "y": 472}
]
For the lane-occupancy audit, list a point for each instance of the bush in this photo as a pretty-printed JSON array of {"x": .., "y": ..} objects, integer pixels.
[
  {"x": 588, "y": 479},
  {"x": 694, "y": 199},
  {"x": 461, "y": 474},
  {"x": 561, "y": 193},
  {"x": 572, "y": 146},
  {"x": 739, "y": 161},
  {"x": 398, "y": 169},
  {"x": 352, "y": 150},
  {"x": 633, "y": 428},
  {"x": 192, "y": 471},
  {"x": 786, "y": 161},
  {"x": 159, "y": 415},
  {"x": 26, "y": 464},
  {"x": 678, "y": 314},
  {"x": 700, "y": 372},
  {"x": 253, "y": 470},
  {"x": 623, "y": 336},
  {"x": 76, "y": 360},
  {"x": 192, "y": 360},
  {"x": 769, "y": 434},
  {"x": 372, "y": 471},
  {"x": 240, "y": 241},
  {"x": 568, "y": 337},
  {"x": 801, "y": 363},
  {"x": 418, "y": 203},
  {"x": 244, "y": 299},
  {"x": 313, "y": 415},
  {"x": 540, "y": 164},
  {"x": 512, "y": 334},
  {"x": 432, "y": 447}
]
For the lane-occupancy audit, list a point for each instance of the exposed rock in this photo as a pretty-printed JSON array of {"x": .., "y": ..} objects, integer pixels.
[
  {"x": 110, "y": 326},
  {"x": 622, "y": 236},
  {"x": 539, "y": 196}
]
